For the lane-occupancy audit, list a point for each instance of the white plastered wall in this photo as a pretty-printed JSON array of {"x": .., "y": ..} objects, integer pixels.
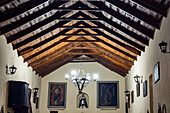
[
  {"x": 72, "y": 91},
  {"x": 144, "y": 66},
  {"x": 9, "y": 57}
]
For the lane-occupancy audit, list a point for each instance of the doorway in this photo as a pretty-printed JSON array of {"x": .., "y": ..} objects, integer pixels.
[{"x": 151, "y": 92}]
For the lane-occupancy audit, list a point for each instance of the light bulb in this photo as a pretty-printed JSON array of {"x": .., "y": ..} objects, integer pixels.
[
  {"x": 95, "y": 76},
  {"x": 73, "y": 72},
  {"x": 67, "y": 76}
]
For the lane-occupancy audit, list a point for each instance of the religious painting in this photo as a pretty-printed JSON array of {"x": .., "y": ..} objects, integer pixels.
[
  {"x": 107, "y": 94},
  {"x": 157, "y": 72},
  {"x": 57, "y": 95},
  {"x": 145, "y": 88}
]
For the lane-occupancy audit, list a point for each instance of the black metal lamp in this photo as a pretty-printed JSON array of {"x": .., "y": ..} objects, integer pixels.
[
  {"x": 127, "y": 93},
  {"x": 12, "y": 69},
  {"x": 35, "y": 94},
  {"x": 137, "y": 78},
  {"x": 163, "y": 46}
]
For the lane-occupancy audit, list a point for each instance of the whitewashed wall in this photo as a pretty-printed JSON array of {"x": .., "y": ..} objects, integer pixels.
[
  {"x": 23, "y": 73},
  {"x": 90, "y": 89},
  {"x": 144, "y": 66}
]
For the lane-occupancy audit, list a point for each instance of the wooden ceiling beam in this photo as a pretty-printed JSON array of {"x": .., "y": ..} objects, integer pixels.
[
  {"x": 49, "y": 47},
  {"x": 111, "y": 66},
  {"x": 132, "y": 34},
  {"x": 155, "y": 6},
  {"x": 137, "y": 13},
  {"x": 56, "y": 52},
  {"x": 111, "y": 59},
  {"x": 38, "y": 35},
  {"x": 81, "y": 41},
  {"x": 3, "y": 2},
  {"x": 124, "y": 19},
  {"x": 52, "y": 66},
  {"x": 20, "y": 9},
  {"x": 29, "y": 18},
  {"x": 36, "y": 26},
  {"x": 113, "y": 47},
  {"x": 109, "y": 55}
]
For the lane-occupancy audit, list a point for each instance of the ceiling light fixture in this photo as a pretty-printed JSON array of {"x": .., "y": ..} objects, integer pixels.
[{"x": 80, "y": 78}]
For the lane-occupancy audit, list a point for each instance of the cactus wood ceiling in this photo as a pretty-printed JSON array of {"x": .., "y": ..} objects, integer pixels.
[{"x": 51, "y": 33}]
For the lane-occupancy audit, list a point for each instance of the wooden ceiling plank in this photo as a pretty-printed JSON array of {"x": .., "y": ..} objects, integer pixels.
[
  {"x": 112, "y": 60},
  {"x": 38, "y": 35},
  {"x": 113, "y": 47},
  {"x": 34, "y": 27},
  {"x": 81, "y": 41},
  {"x": 112, "y": 67},
  {"x": 157, "y": 7},
  {"x": 20, "y": 9},
  {"x": 56, "y": 52},
  {"x": 113, "y": 56},
  {"x": 128, "y": 21},
  {"x": 133, "y": 35},
  {"x": 28, "y": 18},
  {"x": 137, "y": 13},
  {"x": 3, "y": 2},
  {"x": 45, "y": 49},
  {"x": 56, "y": 64},
  {"x": 52, "y": 59}
]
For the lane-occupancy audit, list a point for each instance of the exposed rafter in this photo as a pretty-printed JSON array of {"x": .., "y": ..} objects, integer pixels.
[{"x": 51, "y": 33}]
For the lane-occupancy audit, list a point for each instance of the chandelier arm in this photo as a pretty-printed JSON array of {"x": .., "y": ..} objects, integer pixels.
[
  {"x": 82, "y": 86},
  {"x": 78, "y": 86}
]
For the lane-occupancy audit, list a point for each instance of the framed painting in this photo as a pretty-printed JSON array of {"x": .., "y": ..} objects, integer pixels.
[
  {"x": 107, "y": 94},
  {"x": 157, "y": 72},
  {"x": 57, "y": 95},
  {"x": 145, "y": 88}
]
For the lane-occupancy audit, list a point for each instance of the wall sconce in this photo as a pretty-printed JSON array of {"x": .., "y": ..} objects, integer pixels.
[
  {"x": 11, "y": 70},
  {"x": 127, "y": 93},
  {"x": 163, "y": 47},
  {"x": 35, "y": 90},
  {"x": 138, "y": 79}
]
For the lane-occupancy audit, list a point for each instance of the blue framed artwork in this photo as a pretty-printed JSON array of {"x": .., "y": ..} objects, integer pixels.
[
  {"x": 108, "y": 94},
  {"x": 145, "y": 88},
  {"x": 57, "y": 95},
  {"x": 157, "y": 72}
]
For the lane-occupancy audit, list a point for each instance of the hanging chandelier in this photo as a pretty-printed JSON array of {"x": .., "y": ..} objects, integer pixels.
[{"x": 80, "y": 78}]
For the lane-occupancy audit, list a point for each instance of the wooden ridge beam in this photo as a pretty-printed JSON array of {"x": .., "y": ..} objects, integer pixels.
[
  {"x": 124, "y": 19},
  {"x": 136, "y": 12}
]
